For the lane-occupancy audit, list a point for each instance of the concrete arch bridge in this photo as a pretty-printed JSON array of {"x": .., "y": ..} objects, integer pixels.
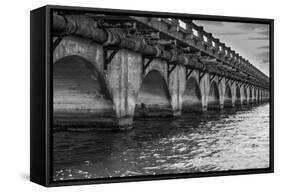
[{"x": 108, "y": 69}]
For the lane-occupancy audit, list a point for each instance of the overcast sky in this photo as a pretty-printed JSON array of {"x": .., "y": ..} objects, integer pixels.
[{"x": 251, "y": 41}]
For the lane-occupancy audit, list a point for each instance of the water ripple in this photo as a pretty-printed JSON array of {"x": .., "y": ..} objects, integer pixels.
[{"x": 212, "y": 141}]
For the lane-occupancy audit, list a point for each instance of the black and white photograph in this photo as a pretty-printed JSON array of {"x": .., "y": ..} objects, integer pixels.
[
  {"x": 140, "y": 96},
  {"x": 145, "y": 95}
]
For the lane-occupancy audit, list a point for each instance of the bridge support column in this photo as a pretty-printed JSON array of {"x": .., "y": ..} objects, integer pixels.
[
  {"x": 222, "y": 88},
  {"x": 242, "y": 94},
  {"x": 233, "y": 91},
  {"x": 204, "y": 87},
  {"x": 123, "y": 76},
  {"x": 248, "y": 95},
  {"x": 259, "y": 96},
  {"x": 177, "y": 81},
  {"x": 267, "y": 96}
]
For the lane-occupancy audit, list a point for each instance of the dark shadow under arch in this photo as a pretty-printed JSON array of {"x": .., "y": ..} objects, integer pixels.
[
  {"x": 245, "y": 96},
  {"x": 254, "y": 95},
  {"x": 153, "y": 98},
  {"x": 227, "y": 97},
  {"x": 81, "y": 97},
  {"x": 251, "y": 96},
  {"x": 214, "y": 97},
  {"x": 191, "y": 96},
  {"x": 237, "y": 96}
]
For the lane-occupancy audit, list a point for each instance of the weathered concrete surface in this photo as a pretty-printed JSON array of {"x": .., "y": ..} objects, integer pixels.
[
  {"x": 192, "y": 95},
  {"x": 153, "y": 96},
  {"x": 79, "y": 88},
  {"x": 75, "y": 46},
  {"x": 228, "y": 97},
  {"x": 222, "y": 89},
  {"x": 89, "y": 94},
  {"x": 238, "y": 99},
  {"x": 124, "y": 76},
  {"x": 251, "y": 96},
  {"x": 204, "y": 89},
  {"x": 245, "y": 95},
  {"x": 81, "y": 97},
  {"x": 177, "y": 86},
  {"x": 214, "y": 95}
]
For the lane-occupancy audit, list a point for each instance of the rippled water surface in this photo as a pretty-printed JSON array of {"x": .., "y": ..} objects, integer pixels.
[{"x": 229, "y": 139}]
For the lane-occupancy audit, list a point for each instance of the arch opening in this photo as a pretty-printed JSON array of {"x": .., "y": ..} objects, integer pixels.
[
  {"x": 251, "y": 96},
  {"x": 254, "y": 96},
  {"x": 153, "y": 98},
  {"x": 227, "y": 97},
  {"x": 214, "y": 97},
  {"x": 191, "y": 96},
  {"x": 245, "y": 96},
  {"x": 238, "y": 96},
  {"x": 80, "y": 94}
]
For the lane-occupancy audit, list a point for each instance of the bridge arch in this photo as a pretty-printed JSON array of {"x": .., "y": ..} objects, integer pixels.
[
  {"x": 192, "y": 96},
  {"x": 214, "y": 96},
  {"x": 80, "y": 92},
  {"x": 259, "y": 95},
  {"x": 156, "y": 65},
  {"x": 250, "y": 95},
  {"x": 153, "y": 98},
  {"x": 70, "y": 46},
  {"x": 254, "y": 95},
  {"x": 262, "y": 95},
  {"x": 228, "y": 96},
  {"x": 237, "y": 96},
  {"x": 245, "y": 93}
]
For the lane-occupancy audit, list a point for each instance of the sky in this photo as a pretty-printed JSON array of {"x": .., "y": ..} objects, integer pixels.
[{"x": 251, "y": 41}]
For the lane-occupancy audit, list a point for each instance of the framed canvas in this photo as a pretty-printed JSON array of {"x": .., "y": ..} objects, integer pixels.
[{"x": 123, "y": 95}]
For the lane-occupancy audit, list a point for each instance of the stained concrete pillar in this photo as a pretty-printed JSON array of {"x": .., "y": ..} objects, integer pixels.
[
  {"x": 233, "y": 90},
  {"x": 227, "y": 94},
  {"x": 267, "y": 96},
  {"x": 241, "y": 89},
  {"x": 263, "y": 95},
  {"x": 254, "y": 96},
  {"x": 244, "y": 94},
  {"x": 222, "y": 88},
  {"x": 251, "y": 97},
  {"x": 258, "y": 95},
  {"x": 123, "y": 76},
  {"x": 248, "y": 94},
  {"x": 204, "y": 88},
  {"x": 177, "y": 83}
]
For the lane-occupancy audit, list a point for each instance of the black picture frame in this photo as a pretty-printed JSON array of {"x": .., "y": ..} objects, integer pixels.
[{"x": 42, "y": 96}]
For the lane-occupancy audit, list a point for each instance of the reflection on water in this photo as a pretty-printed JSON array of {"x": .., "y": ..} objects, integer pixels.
[{"x": 236, "y": 138}]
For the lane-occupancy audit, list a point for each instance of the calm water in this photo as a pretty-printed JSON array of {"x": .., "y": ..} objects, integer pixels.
[{"x": 236, "y": 138}]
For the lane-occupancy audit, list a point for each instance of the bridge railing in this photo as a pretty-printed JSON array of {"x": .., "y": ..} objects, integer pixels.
[{"x": 196, "y": 35}]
